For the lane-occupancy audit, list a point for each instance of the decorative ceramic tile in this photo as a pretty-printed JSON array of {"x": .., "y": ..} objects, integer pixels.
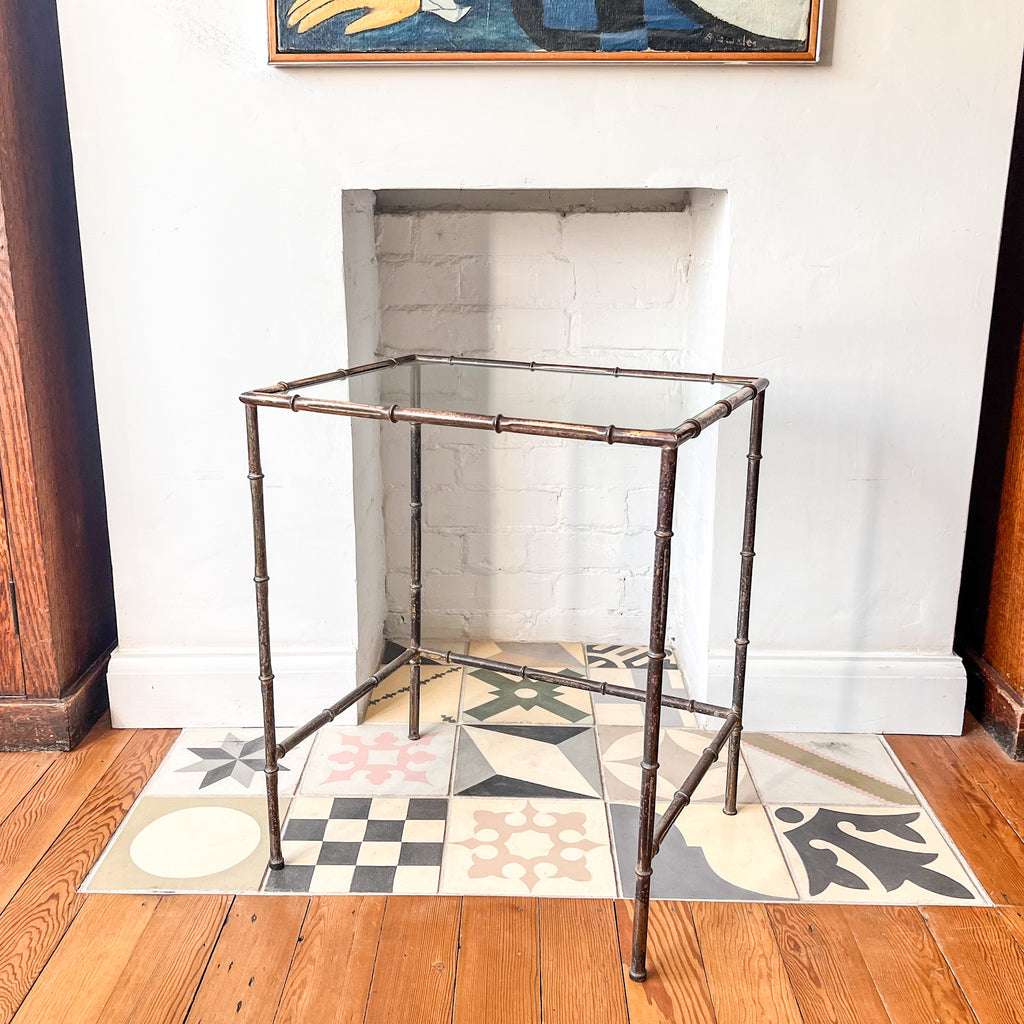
[
  {"x": 493, "y": 697},
  {"x": 623, "y": 656},
  {"x": 551, "y": 657},
  {"x": 393, "y": 648},
  {"x": 371, "y": 760},
  {"x": 527, "y": 760},
  {"x": 528, "y": 847},
  {"x": 618, "y": 711},
  {"x": 621, "y": 750},
  {"x": 830, "y": 770},
  {"x": 440, "y": 691},
  {"x": 707, "y": 855},
  {"x": 871, "y": 855},
  {"x": 223, "y": 762},
  {"x": 352, "y": 844},
  {"x": 187, "y": 844}
]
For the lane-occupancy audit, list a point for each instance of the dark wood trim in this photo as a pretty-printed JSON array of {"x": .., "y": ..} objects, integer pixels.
[
  {"x": 995, "y": 704},
  {"x": 50, "y": 468},
  {"x": 56, "y": 724},
  {"x": 996, "y": 406}
]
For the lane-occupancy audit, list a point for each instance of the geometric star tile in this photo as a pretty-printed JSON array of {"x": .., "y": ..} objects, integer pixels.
[
  {"x": 440, "y": 689},
  {"x": 827, "y": 770},
  {"x": 187, "y": 844},
  {"x": 528, "y": 847},
  {"x": 527, "y": 760},
  {"x": 361, "y": 844},
  {"x": 871, "y": 855},
  {"x": 218, "y": 762},
  {"x": 707, "y": 855},
  {"x": 379, "y": 759},
  {"x": 610, "y": 710},
  {"x": 679, "y": 749},
  {"x": 497, "y": 698},
  {"x": 623, "y": 656}
]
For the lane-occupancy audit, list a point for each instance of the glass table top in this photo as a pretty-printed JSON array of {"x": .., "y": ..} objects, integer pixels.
[{"x": 659, "y": 403}]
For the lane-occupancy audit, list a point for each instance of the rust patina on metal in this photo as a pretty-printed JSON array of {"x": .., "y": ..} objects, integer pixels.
[{"x": 285, "y": 395}]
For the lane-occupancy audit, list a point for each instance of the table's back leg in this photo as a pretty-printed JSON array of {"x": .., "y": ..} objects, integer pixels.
[
  {"x": 262, "y": 581},
  {"x": 652, "y": 710},
  {"x": 743, "y": 610},
  {"x": 415, "y": 574}
]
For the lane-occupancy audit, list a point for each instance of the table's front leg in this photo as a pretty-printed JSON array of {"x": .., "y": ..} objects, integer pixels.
[
  {"x": 743, "y": 608},
  {"x": 262, "y": 581},
  {"x": 652, "y": 710}
]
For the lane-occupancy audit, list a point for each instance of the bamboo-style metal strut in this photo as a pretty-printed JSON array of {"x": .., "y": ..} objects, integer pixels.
[
  {"x": 416, "y": 559},
  {"x": 739, "y": 675},
  {"x": 652, "y": 718},
  {"x": 262, "y": 581},
  {"x": 350, "y": 698},
  {"x": 286, "y": 395},
  {"x": 699, "y": 770},
  {"x": 573, "y": 682}
]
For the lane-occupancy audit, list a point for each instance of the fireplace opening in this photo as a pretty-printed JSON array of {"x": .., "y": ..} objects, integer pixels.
[{"x": 533, "y": 538}]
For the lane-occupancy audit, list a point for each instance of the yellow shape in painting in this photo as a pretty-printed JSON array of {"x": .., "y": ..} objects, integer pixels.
[{"x": 307, "y": 14}]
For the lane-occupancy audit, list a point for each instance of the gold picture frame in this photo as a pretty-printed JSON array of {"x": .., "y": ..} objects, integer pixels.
[{"x": 320, "y": 32}]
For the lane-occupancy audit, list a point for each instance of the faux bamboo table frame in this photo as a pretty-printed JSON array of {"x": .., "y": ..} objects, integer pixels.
[{"x": 287, "y": 395}]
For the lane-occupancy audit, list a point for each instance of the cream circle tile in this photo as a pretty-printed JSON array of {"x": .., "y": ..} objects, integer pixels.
[{"x": 195, "y": 841}]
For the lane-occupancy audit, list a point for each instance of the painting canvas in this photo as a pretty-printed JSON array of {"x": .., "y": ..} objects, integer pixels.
[{"x": 340, "y": 31}]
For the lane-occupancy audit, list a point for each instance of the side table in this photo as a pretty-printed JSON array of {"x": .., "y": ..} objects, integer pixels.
[{"x": 666, "y": 409}]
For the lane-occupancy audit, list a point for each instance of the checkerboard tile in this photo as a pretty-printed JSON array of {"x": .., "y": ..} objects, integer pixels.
[{"x": 362, "y": 844}]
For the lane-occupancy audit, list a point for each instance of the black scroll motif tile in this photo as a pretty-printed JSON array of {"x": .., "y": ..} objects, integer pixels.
[
  {"x": 623, "y": 656},
  {"x": 871, "y": 855}
]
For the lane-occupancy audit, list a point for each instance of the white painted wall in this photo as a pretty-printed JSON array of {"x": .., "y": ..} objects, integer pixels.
[{"x": 864, "y": 207}]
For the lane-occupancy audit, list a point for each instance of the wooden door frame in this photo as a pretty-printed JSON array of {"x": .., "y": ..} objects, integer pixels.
[{"x": 990, "y": 696}]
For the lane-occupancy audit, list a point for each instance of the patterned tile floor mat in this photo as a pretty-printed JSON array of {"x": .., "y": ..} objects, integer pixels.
[{"x": 523, "y": 788}]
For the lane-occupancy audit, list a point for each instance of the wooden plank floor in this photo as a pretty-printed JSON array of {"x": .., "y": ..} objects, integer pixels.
[{"x": 110, "y": 959}]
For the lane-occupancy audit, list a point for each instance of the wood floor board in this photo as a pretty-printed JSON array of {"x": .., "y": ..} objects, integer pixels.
[
  {"x": 250, "y": 962},
  {"x": 830, "y": 979},
  {"x": 19, "y": 772},
  {"x": 414, "y": 978},
  {"x": 746, "y": 973},
  {"x": 37, "y": 820},
  {"x": 986, "y": 960},
  {"x": 908, "y": 969},
  {"x": 38, "y": 915},
  {"x": 1013, "y": 918},
  {"x": 581, "y": 975},
  {"x": 83, "y": 971},
  {"x": 1001, "y": 778},
  {"x": 984, "y": 837},
  {"x": 676, "y": 990},
  {"x": 498, "y": 977},
  {"x": 167, "y": 962},
  {"x": 330, "y": 974}
]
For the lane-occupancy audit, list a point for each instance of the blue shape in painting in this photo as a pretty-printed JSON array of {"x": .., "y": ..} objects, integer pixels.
[
  {"x": 618, "y": 42},
  {"x": 571, "y": 14},
  {"x": 665, "y": 15}
]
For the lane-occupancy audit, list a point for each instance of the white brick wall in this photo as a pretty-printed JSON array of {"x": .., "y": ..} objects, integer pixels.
[{"x": 534, "y": 537}]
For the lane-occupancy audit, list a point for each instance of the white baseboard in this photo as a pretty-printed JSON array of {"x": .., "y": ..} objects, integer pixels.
[
  {"x": 815, "y": 692},
  {"x": 162, "y": 690}
]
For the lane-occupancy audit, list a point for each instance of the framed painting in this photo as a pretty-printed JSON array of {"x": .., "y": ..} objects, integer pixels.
[{"x": 344, "y": 31}]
